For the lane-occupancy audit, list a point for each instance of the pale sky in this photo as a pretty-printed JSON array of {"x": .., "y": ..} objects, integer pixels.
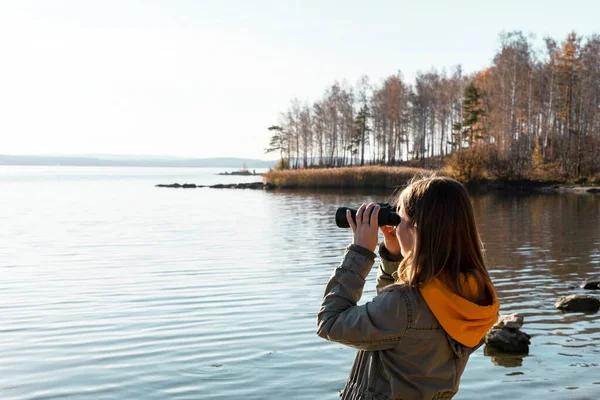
[{"x": 196, "y": 78}]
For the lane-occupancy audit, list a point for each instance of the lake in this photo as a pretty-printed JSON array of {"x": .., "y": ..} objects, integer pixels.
[{"x": 113, "y": 288}]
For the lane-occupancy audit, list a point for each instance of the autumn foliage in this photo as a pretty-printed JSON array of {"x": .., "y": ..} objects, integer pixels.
[{"x": 534, "y": 112}]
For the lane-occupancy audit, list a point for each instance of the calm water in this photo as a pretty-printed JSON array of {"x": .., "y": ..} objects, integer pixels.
[{"x": 111, "y": 288}]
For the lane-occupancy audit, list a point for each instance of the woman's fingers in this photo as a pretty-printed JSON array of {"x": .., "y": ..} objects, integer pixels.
[
  {"x": 359, "y": 215},
  {"x": 367, "y": 214},
  {"x": 350, "y": 221},
  {"x": 370, "y": 214},
  {"x": 366, "y": 226},
  {"x": 375, "y": 215}
]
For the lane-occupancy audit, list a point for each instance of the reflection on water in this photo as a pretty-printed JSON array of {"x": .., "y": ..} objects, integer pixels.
[
  {"x": 504, "y": 360},
  {"x": 112, "y": 288}
]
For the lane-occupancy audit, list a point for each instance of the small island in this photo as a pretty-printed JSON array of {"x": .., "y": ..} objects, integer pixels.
[{"x": 241, "y": 172}]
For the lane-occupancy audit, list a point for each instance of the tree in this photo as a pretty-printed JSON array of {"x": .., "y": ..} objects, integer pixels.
[
  {"x": 470, "y": 129},
  {"x": 320, "y": 127},
  {"x": 568, "y": 68},
  {"x": 278, "y": 142},
  {"x": 361, "y": 132},
  {"x": 529, "y": 108},
  {"x": 361, "y": 120},
  {"x": 305, "y": 133}
]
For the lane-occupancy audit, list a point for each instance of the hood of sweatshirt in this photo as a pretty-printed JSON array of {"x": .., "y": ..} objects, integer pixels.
[{"x": 465, "y": 321}]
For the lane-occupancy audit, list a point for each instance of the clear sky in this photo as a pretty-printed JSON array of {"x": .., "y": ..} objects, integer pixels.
[{"x": 196, "y": 78}]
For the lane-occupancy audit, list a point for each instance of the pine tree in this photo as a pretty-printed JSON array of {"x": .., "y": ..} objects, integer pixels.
[
  {"x": 470, "y": 128},
  {"x": 278, "y": 143}
]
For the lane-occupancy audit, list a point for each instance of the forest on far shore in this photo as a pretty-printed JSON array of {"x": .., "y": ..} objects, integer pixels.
[{"x": 534, "y": 112}]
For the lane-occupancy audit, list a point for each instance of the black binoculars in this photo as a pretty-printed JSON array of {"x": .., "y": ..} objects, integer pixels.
[{"x": 387, "y": 216}]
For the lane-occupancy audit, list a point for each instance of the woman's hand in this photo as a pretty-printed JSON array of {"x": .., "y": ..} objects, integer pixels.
[
  {"x": 390, "y": 240},
  {"x": 365, "y": 228}
]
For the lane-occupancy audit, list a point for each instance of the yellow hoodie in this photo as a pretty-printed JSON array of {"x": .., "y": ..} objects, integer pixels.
[{"x": 465, "y": 321}]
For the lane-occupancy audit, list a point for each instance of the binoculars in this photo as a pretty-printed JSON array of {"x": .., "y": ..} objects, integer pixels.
[{"x": 387, "y": 216}]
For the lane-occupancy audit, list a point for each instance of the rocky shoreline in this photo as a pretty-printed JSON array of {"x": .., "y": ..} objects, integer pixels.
[
  {"x": 524, "y": 187},
  {"x": 251, "y": 185}
]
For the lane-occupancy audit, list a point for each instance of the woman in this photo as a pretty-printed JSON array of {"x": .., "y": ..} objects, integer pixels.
[{"x": 435, "y": 301}]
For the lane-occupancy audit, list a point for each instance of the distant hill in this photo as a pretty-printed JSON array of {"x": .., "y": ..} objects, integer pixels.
[{"x": 107, "y": 160}]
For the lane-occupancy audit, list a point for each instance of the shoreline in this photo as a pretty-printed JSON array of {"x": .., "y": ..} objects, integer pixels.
[
  {"x": 390, "y": 178},
  {"x": 521, "y": 186},
  {"x": 529, "y": 186}
]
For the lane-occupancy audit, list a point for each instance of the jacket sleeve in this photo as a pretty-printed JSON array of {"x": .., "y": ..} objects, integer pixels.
[
  {"x": 377, "y": 325},
  {"x": 387, "y": 268}
]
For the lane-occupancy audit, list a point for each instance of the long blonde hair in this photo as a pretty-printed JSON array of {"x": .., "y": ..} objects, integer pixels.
[{"x": 447, "y": 244}]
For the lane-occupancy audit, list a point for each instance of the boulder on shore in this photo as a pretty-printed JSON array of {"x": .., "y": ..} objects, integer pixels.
[
  {"x": 506, "y": 336},
  {"x": 578, "y": 302},
  {"x": 590, "y": 285}
]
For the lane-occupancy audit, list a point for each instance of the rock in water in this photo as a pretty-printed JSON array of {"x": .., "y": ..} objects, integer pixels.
[
  {"x": 513, "y": 321},
  {"x": 173, "y": 185},
  {"x": 177, "y": 185},
  {"x": 506, "y": 337},
  {"x": 578, "y": 302},
  {"x": 508, "y": 340},
  {"x": 255, "y": 185},
  {"x": 590, "y": 285}
]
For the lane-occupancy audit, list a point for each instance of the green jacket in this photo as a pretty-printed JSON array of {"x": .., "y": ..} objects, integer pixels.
[{"x": 403, "y": 351}]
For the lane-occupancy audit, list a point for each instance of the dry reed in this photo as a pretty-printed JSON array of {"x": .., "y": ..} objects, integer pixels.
[{"x": 366, "y": 177}]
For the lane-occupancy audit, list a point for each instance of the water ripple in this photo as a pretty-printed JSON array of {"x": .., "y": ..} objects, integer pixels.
[{"x": 111, "y": 288}]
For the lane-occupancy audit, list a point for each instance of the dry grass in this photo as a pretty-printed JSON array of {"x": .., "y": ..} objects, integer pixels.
[
  {"x": 385, "y": 177},
  {"x": 367, "y": 177}
]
